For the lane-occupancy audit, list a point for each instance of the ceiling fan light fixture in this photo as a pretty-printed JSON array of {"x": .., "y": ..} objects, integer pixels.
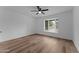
[{"x": 39, "y": 12}]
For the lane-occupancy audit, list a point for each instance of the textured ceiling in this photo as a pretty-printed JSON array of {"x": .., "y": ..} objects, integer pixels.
[{"x": 52, "y": 10}]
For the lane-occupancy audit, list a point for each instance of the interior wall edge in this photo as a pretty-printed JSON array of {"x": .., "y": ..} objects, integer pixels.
[{"x": 76, "y": 45}]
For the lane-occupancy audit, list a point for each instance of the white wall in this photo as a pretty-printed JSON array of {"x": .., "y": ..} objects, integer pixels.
[
  {"x": 14, "y": 24},
  {"x": 76, "y": 27},
  {"x": 65, "y": 25}
]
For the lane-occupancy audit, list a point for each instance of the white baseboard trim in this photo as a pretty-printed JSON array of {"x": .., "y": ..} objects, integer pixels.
[{"x": 11, "y": 38}]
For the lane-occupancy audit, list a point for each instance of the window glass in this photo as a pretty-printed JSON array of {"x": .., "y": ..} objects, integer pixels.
[{"x": 51, "y": 25}]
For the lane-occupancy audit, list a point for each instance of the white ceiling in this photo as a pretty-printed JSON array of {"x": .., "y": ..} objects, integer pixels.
[{"x": 52, "y": 10}]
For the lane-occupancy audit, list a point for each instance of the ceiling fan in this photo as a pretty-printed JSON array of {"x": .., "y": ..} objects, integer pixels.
[{"x": 39, "y": 10}]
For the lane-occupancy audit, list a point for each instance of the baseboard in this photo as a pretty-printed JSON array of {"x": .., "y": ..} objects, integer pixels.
[
  {"x": 17, "y": 37},
  {"x": 36, "y": 34},
  {"x": 52, "y": 36}
]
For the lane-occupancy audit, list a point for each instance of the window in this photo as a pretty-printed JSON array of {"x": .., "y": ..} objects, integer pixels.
[{"x": 51, "y": 25}]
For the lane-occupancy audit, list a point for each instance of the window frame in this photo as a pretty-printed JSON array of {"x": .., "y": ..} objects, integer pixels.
[{"x": 56, "y": 19}]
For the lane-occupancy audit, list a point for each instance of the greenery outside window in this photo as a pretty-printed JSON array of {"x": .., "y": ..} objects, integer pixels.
[{"x": 51, "y": 25}]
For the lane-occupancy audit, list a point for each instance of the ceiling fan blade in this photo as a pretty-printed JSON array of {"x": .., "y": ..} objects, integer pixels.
[
  {"x": 39, "y": 9},
  {"x": 37, "y": 13},
  {"x": 44, "y": 10}
]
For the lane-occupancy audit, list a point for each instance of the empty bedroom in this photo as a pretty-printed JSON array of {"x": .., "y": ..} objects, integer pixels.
[{"x": 39, "y": 29}]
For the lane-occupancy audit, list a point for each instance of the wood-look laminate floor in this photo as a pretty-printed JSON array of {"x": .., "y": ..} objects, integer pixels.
[{"x": 38, "y": 44}]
